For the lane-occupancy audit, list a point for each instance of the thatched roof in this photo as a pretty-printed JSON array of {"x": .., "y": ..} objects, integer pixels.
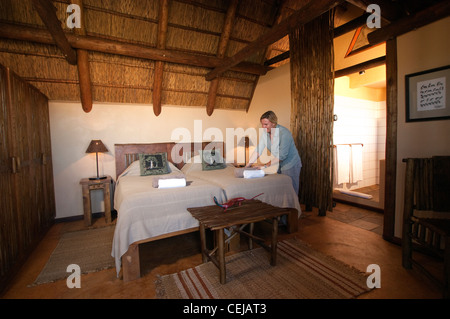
[{"x": 125, "y": 39}]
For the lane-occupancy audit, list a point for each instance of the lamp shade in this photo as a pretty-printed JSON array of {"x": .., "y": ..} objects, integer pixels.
[{"x": 96, "y": 146}]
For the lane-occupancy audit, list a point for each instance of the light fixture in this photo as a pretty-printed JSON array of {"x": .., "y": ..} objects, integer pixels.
[
  {"x": 362, "y": 72},
  {"x": 96, "y": 146},
  {"x": 245, "y": 142}
]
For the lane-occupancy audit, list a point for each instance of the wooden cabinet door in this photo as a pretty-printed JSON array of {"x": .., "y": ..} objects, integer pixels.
[
  {"x": 44, "y": 154},
  {"x": 8, "y": 244},
  {"x": 21, "y": 150},
  {"x": 27, "y": 208}
]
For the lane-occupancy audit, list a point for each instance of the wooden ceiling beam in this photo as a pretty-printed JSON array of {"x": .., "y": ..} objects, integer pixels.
[
  {"x": 47, "y": 12},
  {"x": 159, "y": 65},
  {"x": 347, "y": 27},
  {"x": 360, "y": 67},
  {"x": 278, "y": 14},
  {"x": 84, "y": 73},
  {"x": 223, "y": 43},
  {"x": 276, "y": 20},
  {"x": 308, "y": 12},
  {"x": 412, "y": 22},
  {"x": 18, "y": 32}
]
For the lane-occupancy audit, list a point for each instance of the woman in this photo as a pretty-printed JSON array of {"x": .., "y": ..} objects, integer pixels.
[{"x": 278, "y": 140}]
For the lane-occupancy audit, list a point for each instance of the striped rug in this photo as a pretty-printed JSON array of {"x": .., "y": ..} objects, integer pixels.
[{"x": 300, "y": 273}]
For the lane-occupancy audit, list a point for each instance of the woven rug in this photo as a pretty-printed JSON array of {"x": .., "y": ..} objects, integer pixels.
[
  {"x": 300, "y": 273},
  {"x": 90, "y": 249}
]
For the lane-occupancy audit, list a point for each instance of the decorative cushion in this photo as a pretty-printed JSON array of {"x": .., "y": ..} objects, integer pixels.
[
  {"x": 153, "y": 164},
  {"x": 212, "y": 159}
]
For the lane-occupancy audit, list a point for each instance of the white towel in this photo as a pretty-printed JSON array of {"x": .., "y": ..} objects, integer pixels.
[
  {"x": 357, "y": 160},
  {"x": 352, "y": 193},
  {"x": 342, "y": 164},
  {"x": 171, "y": 182},
  {"x": 254, "y": 173}
]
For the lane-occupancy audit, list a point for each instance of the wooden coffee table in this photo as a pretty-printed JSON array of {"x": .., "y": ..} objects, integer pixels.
[{"x": 214, "y": 218}]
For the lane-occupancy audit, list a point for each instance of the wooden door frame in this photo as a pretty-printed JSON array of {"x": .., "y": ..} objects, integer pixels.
[{"x": 391, "y": 139}]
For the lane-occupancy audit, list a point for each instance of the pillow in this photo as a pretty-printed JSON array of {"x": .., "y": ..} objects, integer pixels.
[
  {"x": 193, "y": 164},
  {"x": 153, "y": 164},
  {"x": 211, "y": 160},
  {"x": 132, "y": 170}
]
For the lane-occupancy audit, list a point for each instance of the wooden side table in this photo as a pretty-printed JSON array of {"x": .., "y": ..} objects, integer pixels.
[
  {"x": 89, "y": 185},
  {"x": 214, "y": 218}
]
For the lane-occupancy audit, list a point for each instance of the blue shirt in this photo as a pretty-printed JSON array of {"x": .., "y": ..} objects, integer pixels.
[{"x": 282, "y": 146}]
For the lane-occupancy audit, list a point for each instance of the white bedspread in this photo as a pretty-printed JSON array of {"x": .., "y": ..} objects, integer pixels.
[
  {"x": 145, "y": 212},
  {"x": 277, "y": 189}
]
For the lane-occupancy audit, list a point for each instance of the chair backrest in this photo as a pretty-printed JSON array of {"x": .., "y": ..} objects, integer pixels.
[
  {"x": 441, "y": 183},
  {"x": 428, "y": 183}
]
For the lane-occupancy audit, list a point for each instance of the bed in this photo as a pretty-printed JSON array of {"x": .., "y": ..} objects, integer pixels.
[
  {"x": 274, "y": 189},
  {"x": 146, "y": 213}
]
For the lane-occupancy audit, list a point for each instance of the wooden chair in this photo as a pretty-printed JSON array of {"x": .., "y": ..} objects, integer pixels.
[{"x": 426, "y": 219}]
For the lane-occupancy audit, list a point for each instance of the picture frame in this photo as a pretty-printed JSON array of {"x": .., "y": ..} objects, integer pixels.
[{"x": 428, "y": 95}]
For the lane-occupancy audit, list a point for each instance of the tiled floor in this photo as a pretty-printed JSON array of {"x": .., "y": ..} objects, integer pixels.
[
  {"x": 376, "y": 202},
  {"x": 359, "y": 217}
]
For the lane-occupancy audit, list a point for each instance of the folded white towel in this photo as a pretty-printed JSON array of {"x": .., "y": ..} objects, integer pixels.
[
  {"x": 357, "y": 162},
  {"x": 171, "y": 182},
  {"x": 254, "y": 173},
  {"x": 342, "y": 164},
  {"x": 357, "y": 194}
]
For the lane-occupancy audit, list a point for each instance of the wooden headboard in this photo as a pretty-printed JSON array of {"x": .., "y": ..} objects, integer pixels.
[{"x": 125, "y": 154}]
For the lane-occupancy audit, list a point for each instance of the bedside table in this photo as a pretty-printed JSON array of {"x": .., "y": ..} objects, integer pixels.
[{"x": 89, "y": 185}]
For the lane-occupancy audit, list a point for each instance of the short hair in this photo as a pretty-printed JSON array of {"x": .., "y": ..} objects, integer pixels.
[{"x": 270, "y": 115}]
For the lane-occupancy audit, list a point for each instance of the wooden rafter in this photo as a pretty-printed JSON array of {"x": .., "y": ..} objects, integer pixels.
[
  {"x": 159, "y": 65},
  {"x": 47, "y": 12},
  {"x": 90, "y": 43},
  {"x": 84, "y": 73},
  {"x": 360, "y": 67},
  {"x": 276, "y": 20},
  {"x": 347, "y": 27},
  {"x": 278, "y": 13},
  {"x": 223, "y": 43},
  {"x": 308, "y": 12}
]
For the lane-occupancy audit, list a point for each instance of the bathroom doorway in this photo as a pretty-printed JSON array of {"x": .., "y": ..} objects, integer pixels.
[{"x": 359, "y": 138}]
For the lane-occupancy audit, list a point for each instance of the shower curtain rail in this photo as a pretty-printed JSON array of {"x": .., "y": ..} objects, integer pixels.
[{"x": 349, "y": 144}]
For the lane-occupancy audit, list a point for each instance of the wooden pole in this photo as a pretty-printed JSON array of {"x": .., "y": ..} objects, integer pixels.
[
  {"x": 159, "y": 65},
  {"x": 360, "y": 67},
  {"x": 312, "y": 85},
  {"x": 391, "y": 139},
  {"x": 84, "y": 73},
  {"x": 223, "y": 43},
  {"x": 84, "y": 76},
  {"x": 407, "y": 213}
]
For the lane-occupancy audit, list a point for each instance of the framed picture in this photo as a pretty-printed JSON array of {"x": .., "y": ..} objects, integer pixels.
[{"x": 428, "y": 95}]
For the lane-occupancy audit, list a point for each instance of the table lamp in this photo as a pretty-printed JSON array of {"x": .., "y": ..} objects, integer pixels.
[{"x": 96, "y": 146}]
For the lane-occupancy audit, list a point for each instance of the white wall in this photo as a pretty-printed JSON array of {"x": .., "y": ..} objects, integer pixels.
[
  {"x": 361, "y": 121},
  {"x": 419, "y": 50},
  {"x": 72, "y": 129}
]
